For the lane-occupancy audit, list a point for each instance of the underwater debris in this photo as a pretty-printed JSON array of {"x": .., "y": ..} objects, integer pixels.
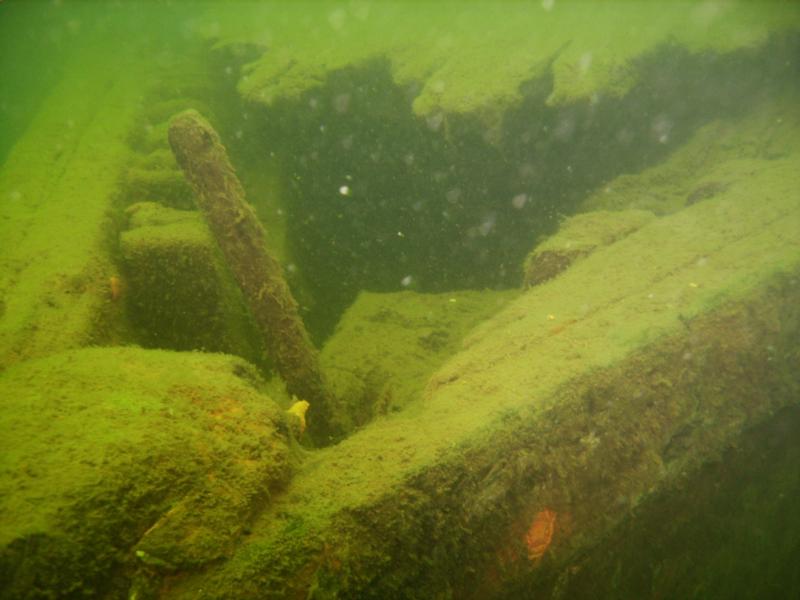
[{"x": 240, "y": 235}]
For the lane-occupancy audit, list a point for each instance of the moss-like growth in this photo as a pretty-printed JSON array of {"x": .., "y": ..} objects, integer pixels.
[
  {"x": 578, "y": 237},
  {"x": 662, "y": 349},
  {"x": 178, "y": 292},
  {"x": 473, "y": 58},
  {"x": 160, "y": 111},
  {"x": 715, "y": 157},
  {"x": 242, "y": 240},
  {"x": 386, "y": 346},
  {"x": 452, "y": 165},
  {"x": 58, "y": 184},
  {"x": 728, "y": 531},
  {"x": 161, "y": 460},
  {"x": 166, "y": 186},
  {"x": 149, "y": 134},
  {"x": 446, "y": 140}
]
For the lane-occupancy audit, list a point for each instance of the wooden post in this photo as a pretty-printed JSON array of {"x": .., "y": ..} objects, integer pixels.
[{"x": 240, "y": 235}]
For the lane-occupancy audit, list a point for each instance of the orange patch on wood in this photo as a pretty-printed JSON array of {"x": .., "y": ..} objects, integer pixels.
[
  {"x": 559, "y": 328},
  {"x": 115, "y": 285},
  {"x": 540, "y": 533}
]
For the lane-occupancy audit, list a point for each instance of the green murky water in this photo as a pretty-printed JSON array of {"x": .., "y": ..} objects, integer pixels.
[{"x": 443, "y": 300}]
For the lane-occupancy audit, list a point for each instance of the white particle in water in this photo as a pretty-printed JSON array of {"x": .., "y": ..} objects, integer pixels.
[
  {"x": 488, "y": 224},
  {"x": 453, "y": 195},
  {"x": 337, "y": 18},
  {"x": 341, "y": 103},
  {"x": 435, "y": 121},
  {"x": 661, "y": 128}
]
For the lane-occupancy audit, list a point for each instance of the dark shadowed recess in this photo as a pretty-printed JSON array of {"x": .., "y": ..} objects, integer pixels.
[{"x": 382, "y": 199}]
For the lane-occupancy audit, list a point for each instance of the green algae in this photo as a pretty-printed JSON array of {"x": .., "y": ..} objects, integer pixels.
[
  {"x": 168, "y": 453},
  {"x": 58, "y": 184},
  {"x": 715, "y": 156},
  {"x": 473, "y": 58},
  {"x": 386, "y": 346},
  {"x": 739, "y": 544},
  {"x": 154, "y": 184},
  {"x": 577, "y": 237},
  {"x": 483, "y": 418},
  {"x": 456, "y": 199},
  {"x": 706, "y": 257},
  {"x": 622, "y": 310},
  {"x": 175, "y": 278}
]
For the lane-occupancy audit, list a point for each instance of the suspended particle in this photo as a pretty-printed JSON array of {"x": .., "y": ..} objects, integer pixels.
[{"x": 519, "y": 201}]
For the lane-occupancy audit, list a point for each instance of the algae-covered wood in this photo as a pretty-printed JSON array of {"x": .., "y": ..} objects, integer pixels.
[
  {"x": 386, "y": 346},
  {"x": 627, "y": 427},
  {"x": 58, "y": 185},
  {"x": 242, "y": 239},
  {"x": 474, "y": 57},
  {"x": 124, "y": 459},
  {"x": 587, "y": 394}
]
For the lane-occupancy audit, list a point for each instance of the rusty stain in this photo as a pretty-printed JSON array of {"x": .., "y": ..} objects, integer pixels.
[
  {"x": 115, "y": 286},
  {"x": 540, "y": 533}
]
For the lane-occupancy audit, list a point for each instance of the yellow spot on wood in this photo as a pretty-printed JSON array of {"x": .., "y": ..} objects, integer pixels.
[{"x": 298, "y": 409}]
